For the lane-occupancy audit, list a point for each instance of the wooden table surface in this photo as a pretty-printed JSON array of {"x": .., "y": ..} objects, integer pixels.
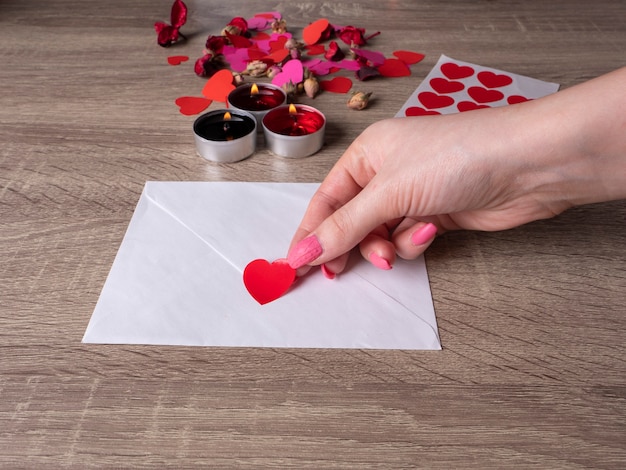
[{"x": 532, "y": 320}]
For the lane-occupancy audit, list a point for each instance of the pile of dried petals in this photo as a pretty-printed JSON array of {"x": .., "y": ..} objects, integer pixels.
[{"x": 262, "y": 46}]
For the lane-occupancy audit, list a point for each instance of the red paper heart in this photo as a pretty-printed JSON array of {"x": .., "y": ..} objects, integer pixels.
[
  {"x": 417, "y": 111},
  {"x": 266, "y": 282},
  {"x": 394, "y": 68},
  {"x": 470, "y": 105},
  {"x": 177, "y": 59},
  {"x": 313, "y": 32},
  {"x": 278, "y": 56},
  {"x": 336, "y": 85},
  {"x": 260, "y": 36},
  {"x": 454, "y": 71},
  {"x": 409, "y": 57},
  {"x": 433, "y": 100},
  {"x": 278, "y": 43},
  {"x": 237, "y": 40},
  {"x": 315, "y": 49},
  {"x": 494, "y": 80},
  {"x": 219, "y": 86},
  {"x": 482, "y": 95},
  {"x": 513, "y": 99},
  {"x": 441, "y": 85},
  {"x": 190, "y": 105}
]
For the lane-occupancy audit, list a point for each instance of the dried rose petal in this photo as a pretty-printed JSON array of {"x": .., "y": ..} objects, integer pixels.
[
  {"x": 354, "y": 37},
  {"x": 365, "y": 73},
  {"x": 168, "y": 34},
  {"x": 207, "y": 65},
  {"x": 215, "y": 44},
  {"x": 237, "y": 26},
  {"x": 334, "y": 52}
]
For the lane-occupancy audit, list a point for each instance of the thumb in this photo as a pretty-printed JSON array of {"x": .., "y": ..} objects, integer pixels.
[{"x": 344, "y": 228}]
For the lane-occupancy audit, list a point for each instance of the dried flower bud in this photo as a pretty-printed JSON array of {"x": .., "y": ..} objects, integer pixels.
[
  {"x": 256, "y": 68},
  {"x": 236, "y": 27},
  {"x": 294, "y": 53},
  {"x": 273, "y": 71},
  {"x": 292, "y": 43},
  {"x": 238, "y": 79},
  {"x": 290, "y": 88},
  {"x": 359, "y": 100},
  {"x": 311, "y": 87},
  {"x": 279, "y": 26}
]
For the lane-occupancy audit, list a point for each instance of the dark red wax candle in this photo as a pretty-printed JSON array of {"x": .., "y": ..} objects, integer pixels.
[
  {"x": 214, "y": 126},
  {"x": 267, "y": 97}
]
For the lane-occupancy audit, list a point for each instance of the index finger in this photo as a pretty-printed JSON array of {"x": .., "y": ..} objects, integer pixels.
[{"x": 344, "y": 181}]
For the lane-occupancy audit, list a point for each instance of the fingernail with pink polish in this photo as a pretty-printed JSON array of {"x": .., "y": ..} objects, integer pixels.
[
  {"x": 305, "y": 251},
  {"x": 424, "y": 234},
  {"x": 328, "y": 274},
  {"x": 379, "y": 261}
]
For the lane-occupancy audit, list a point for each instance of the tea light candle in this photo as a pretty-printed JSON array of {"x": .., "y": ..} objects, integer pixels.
[
  {"x": 257, "y": 99},
  {"x": 225, "y": 136},
  {"x": 294, "y": 131}
]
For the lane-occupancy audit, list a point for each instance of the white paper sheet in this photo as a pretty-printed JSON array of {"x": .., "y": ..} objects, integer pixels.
[{"x": 177, "y": 278}]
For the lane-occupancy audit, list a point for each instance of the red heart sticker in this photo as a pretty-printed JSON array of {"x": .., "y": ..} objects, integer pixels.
[
  {"x": 454, "y": 71},
  {"x": 470, "y": 105},
  {"x": 219, "y": 86},
  {"x": 336, "y": 85},
  {"x": 313, "y": 32},
  {"x": 394, "y": 68},
  {"x": 441, "y": 85},
  {"x": 494, "y": 80},
  {"x": 417, "y": 111},
  {"x": 177, "y": 59},
  {"x": 513, "y": 99},
  {"x": 190, "y": 105},
  {"x": 482, "y": 95},
  {"x": 409, "y": 57},
  {"x": 433, "y": 100},
  {"x": 266, "y": 282}
]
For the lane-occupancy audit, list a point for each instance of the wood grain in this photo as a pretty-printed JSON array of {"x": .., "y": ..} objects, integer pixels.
[{"x": 532, "y": 320}]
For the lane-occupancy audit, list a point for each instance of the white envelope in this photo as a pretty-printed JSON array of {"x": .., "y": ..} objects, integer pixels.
[{"x": 177, "y": 278}]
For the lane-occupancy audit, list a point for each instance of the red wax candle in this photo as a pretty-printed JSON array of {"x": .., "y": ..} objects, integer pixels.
[
  {"x": 294, "y": 131},
  {"x": 256, "y": 97},
  {"x": 294, "y": 120}
]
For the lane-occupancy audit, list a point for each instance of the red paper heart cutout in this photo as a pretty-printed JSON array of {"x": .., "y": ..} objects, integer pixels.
[
  {"x": 514, "y": 99},
  {"x": 177, "y": 59},
  {"x": 238, "y": 41},
  {"x": 470, "y": 105},
  {"x": 315, "y": 49},
  {"x": 454, "y": 71},
  {"x": 219, "y": 86},
  {"x": 409, "y": 57},
  {"x": 494, "y": 80},
  {"x": 433, "y": 100},
  {"x": 254, "y": 53},
  {"x": 394, "y": 68},
  {"x": 441, "y": 85},
  {"x": 482, "y": 95},
  {"x": 278, "y": 56},
  {"x": 266, "y": 282},
  {"x": 278, "y": 43},
  {"x": 260, "y": 36},
  {"x": 417, "y": 111},
  {"x": 190, "y": 105},
  {"x": 313, "y": 32},
  {"x": 336, "y": 85}
]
